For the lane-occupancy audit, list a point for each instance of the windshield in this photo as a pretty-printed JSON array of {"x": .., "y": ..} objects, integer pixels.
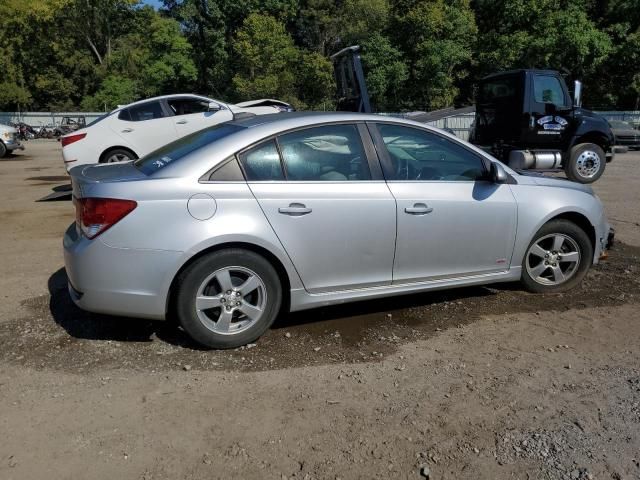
[{"x": 180, "y": 148}]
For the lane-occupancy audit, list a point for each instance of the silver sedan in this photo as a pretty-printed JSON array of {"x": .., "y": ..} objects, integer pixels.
[{"x": 234, "y": 224}]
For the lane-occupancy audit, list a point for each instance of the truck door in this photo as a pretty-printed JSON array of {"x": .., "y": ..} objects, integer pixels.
[{"x": 550, "y": 111}]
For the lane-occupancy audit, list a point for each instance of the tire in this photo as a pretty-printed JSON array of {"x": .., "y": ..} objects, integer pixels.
[
  {"x": 117, "y": 155},
  {"x": 216, "y": 321},
  {"x": 586, "y": 163},
  {"x": 3, "y": 150},
  {"x": 541, "y": 277}
]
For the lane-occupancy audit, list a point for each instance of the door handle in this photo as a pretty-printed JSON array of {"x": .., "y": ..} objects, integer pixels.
[
  {"x": 127, "y": 130},
  {"x": 182, "y": 122},
  {"x": 295, "y": 209},
  {"x": 418, "y": 209}
]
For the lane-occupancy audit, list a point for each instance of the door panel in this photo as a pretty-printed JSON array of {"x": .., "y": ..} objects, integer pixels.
[
  {"x": 449, "y": 229},
  {"x": 145, "y": 127},
  {"x": 192, "y": 114},
  {"x": 338, "y": 235},
  {"x": 451, "y": 220}
]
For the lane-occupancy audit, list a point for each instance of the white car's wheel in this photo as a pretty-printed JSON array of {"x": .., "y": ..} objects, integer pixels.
[{"x": 118, "y": 155}]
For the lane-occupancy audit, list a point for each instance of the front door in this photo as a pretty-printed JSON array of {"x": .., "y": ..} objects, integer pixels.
[
  {"x": 335, "y": 219},
  {"x": 452, "y": 222},
  {"x": 549, "y": 110}
]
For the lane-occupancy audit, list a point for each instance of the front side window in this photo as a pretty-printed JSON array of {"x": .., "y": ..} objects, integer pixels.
[
  {"x": 187, "y": 106},
  {"x": 141, "y": 113},
  {"x": 330, "y": 153},
  {"x": 547, "y": 89},
  {"x": 262, "y": 163},
  {"x": 418, "y": 155}
]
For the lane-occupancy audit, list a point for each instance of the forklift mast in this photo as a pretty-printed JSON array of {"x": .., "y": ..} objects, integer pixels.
[{"x": 351, "y": 86}]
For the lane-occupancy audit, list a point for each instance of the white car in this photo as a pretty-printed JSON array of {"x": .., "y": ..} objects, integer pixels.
[
  {"x": 9, "y": 140},
  {"x": 134, "y": 130}
]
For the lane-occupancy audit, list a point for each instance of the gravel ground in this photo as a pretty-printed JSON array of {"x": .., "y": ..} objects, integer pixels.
[{"x": 487, "y": 382}]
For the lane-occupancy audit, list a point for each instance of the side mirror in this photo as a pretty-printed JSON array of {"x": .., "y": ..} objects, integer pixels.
[
  {"x": 577, "y": 93},
  {"x": 214, "y": 107},
  {"x": 497, "y": 173}
]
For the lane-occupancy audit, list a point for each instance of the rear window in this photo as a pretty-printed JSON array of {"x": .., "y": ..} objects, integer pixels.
[
  {"x": 180, "y": 148},
  {"x": 498, "y": 90}
]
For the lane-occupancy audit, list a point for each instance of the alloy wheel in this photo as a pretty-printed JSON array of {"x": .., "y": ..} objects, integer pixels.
[
  {"x": 553, "y": 259},
  {"x": 231, "y": 300},
  {"x": 588, "y": 164}
]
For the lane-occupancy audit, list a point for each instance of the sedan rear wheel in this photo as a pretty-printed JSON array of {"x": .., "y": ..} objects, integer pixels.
[
  {"x": 558, "y": 258},
  {"x": 119, "y": 155},
  {"x": 228, "y": 298}
]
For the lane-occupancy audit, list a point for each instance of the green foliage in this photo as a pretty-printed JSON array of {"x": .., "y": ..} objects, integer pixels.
[
  {"x": 114, "y": 90},
  {"x": 417, "y": 54}
]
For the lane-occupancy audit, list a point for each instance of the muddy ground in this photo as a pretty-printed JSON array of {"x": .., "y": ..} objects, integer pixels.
[{"x": 483, "y": 382}]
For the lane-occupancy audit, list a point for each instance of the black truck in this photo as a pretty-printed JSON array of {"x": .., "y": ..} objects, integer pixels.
[{"x": 526, "y": 118}]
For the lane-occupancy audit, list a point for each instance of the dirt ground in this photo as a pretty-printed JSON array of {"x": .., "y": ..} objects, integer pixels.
[{"x": 473, "y": 383}]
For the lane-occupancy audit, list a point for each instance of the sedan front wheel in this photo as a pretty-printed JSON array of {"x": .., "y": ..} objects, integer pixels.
[{"x": 557, "y": 259}]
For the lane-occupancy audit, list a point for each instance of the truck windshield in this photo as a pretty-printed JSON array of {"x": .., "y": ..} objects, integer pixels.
[{"x": 181, "y": 148}]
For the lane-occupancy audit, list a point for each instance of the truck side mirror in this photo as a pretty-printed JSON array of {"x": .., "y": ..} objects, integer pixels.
[
  {"x": 497, "y": 173},
  {"x": 577, "y": 93}
]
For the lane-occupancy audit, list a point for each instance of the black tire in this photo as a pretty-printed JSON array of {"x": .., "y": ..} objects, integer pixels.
[
  {"x": 123, "y": 153},
  {"x": 193, "y": 277},
  {"x": 586, "y": 163},
  {"x": 585, "y": 248},
  {"x": 3, "y": 150}
]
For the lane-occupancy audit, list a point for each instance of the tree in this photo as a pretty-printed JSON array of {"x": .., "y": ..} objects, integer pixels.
[
  {"x": 266, "y": 60},
  {"x": 437, "y": 39}
]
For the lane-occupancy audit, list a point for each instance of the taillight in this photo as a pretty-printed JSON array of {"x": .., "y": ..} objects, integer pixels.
[
  {"x": 69, "y": 139},
  {"x": 96, "y": 215}
]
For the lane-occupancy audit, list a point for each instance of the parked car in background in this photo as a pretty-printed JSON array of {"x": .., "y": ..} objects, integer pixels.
[
  {"x": 132, "y": 131},
  {"x": 9, "y": 140},
  {"x": 626, "y": 135},
  {"x": 231, "y": 225}
]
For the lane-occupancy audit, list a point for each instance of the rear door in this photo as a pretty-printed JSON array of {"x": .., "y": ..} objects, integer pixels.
[
  {"x": 146, "y": 127},
  {"x": 191, "y": 114},
  {"x": 324, "y": 195},
  {"x": 451, "y": 221}
]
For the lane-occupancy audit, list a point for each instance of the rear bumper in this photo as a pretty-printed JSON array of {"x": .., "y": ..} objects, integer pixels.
[{"x": 117, "y": 281}]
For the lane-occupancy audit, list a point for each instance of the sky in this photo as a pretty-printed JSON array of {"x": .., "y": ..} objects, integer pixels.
[{"x": 153, "y": 3}]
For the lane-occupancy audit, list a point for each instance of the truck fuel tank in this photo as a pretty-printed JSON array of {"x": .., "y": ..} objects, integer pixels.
[{"x": 534, "y": 159}]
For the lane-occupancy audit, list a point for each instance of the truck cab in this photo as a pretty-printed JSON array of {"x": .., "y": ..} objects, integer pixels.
[{"x": 528, "y": 119}]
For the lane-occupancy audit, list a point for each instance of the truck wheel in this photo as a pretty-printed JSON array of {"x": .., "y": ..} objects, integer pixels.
[
  {"x": 3, "y": 150},
  {"x": 586, "y": 163}
]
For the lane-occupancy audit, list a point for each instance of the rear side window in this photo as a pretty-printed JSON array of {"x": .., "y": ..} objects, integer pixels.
[
  {"x": 331, "y": 153},
  {"x": 262, "y": 162},
  {"x": 141, "y": 113},
  {"x": 498, "y": 90},
  {"x": 180, "y": 148}
]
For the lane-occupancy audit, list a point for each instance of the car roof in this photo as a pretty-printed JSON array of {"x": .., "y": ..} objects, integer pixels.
[
  {"x": 277, "y": 120},
  {"x": 162, "y": 97}
]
